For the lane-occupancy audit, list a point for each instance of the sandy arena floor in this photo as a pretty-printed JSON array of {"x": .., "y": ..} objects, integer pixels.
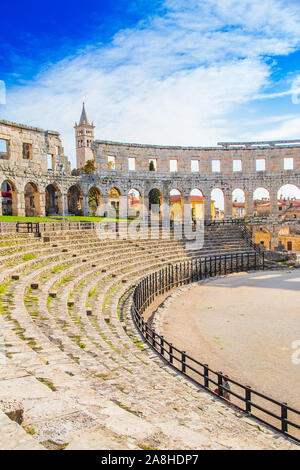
[{"x": 243, "y": 325}]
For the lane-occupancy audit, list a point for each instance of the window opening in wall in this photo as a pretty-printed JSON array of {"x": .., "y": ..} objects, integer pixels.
[
  {"x": 194, "y": 166},
  {"x": 237, "y": 165},
  {"x": 216, "y": 166},
  {"x": 50, "y": 161},
  {"x": 261, "y": 164},
  {"x": 173, "y": 165},
  {"x": 27, "y": 151},
  {"x": 153, "y": 164},
  {"x": 3, "y": 149},
  {"x": 131, "y": 164},
  {"x": 288, "y": 163},
  {"x": 111, "y": 162}
]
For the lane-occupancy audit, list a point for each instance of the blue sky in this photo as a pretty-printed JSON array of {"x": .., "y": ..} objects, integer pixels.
[{"x": 163, "y": 72}]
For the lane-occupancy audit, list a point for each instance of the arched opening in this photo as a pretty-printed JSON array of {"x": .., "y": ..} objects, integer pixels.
[
  {"x": 238, "y": 203},
  {"x": 94, "y": 202},
  {"x": 261, "y": 202},
  {"x": 288, "y": 198},
  {"x": 134, "y": 201},
  {"x": 217, "y": 206},
  {"x": 176, "y": 205},
  {"x": 263, "y": 237},
  {"x": 32, "y": 200},
  {"x": 197, "y": 204},
  {"x": 9, "y": 198},
  {"x": 114, "y": 202},
  {"x": 75, "y": 201},
  {"x": 52, "y": 200},
  {"x": 155, "y": 202}
]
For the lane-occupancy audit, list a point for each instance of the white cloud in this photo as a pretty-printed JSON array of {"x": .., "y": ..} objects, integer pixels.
[
  {"x": 286, "y": 130},
  {"x": 2, "y": 92},
  {"x": 172, "y": 79}
]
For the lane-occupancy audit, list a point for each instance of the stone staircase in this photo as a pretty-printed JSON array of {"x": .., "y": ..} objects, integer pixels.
[{"x": 71, "y": 358}]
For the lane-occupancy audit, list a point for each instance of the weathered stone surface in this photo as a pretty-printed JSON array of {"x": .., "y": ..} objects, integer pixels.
[{"x": 13, "y": 409}]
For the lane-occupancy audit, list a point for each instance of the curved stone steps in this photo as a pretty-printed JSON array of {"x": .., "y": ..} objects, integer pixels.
[{"x": 71, "y": 400}]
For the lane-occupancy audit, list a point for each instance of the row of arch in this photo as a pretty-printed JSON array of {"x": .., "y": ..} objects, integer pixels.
[{"x": 75, "y": 204}]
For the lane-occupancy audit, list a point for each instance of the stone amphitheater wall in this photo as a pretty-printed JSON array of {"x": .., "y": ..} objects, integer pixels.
[{"x": 20, "y": 172}]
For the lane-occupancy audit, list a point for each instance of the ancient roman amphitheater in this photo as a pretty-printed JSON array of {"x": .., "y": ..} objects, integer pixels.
[{"x": 82, "y": 363}]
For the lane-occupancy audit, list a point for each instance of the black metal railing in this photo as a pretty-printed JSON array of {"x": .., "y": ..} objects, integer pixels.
[
  {"x": 269, "y": 411},
  {"x": 38, "y": 227},
  {"x": 67, "y": 225},
  {"x": 247, "y": 235},
  {"x": 27, "y": 227}
]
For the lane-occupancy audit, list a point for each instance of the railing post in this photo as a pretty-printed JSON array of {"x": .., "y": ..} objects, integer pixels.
[
  {"x": 183, "y": 359},
  {"x": 171, "y": 353},
  {"x": 220, "y": 383},
  {"x": 248, "y": 398},
  {"x": 162, "y": 345},
  {"x": 284, "y": 426},
  {"x": 153, "y": 338},
  {"x": 206, "y": 381}
]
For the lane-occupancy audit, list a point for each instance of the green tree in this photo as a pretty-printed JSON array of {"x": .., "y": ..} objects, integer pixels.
[
  {"x": 89, "y": 167},
  {"x": 154, "y": 197},
  {"x": 151, "y": 166}
]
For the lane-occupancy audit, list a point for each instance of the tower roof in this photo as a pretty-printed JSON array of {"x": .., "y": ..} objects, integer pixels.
[{"x": 83, "y": 117}]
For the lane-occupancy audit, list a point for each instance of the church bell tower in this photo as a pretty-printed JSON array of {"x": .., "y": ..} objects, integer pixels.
[{"x": 84, "y": 136}]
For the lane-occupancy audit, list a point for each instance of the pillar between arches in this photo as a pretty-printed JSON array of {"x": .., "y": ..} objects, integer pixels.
[{"x": 207, "y": 207}]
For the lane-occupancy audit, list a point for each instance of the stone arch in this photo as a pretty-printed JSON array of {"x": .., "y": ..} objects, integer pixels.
[
  {"x": 176, "y": 204},
  {"x": 155, "y": 198},
  {"x": 238, "y": 203},
  {"x": 218, "y": 204},
  {"x": 53, "y": 200},
  {"x": 197, "y": 204},
  {"x": 134, "y": 202},
  {"x": 261, "y": 202},
  {"x": 114, "y": 200},
  {"x": 9, "y": 198},
  {"x": 288, "y": 201},
  {"x": 95, "y": 198},
  {"x": 75, "y": 200},
  {"x": 32, "y": 200}
]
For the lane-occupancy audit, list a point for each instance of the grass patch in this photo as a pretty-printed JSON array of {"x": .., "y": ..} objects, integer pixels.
[
  {"x": 28, "y": 256},
  {"x": 30, "y": 431},
  {"x": 92, "y": 292},
  {"x": 48, "y": 383},
  {"x": 124, "y": 407},
  {"x": 15, "y": 218},
  {"x": 65, "y": 279},
  {"x": 59, "y": 268},
  {"x": 143, "y": 446}
]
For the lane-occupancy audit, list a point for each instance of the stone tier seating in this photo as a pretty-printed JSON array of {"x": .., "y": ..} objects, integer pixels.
[{"x": 74, "y": 372}]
